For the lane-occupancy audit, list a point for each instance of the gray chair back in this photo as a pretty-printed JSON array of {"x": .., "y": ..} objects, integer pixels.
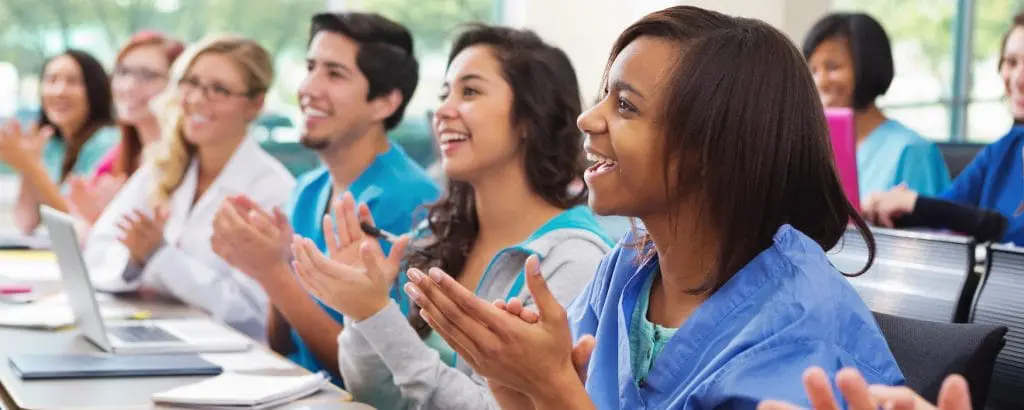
[{"x": 1000, "y": 301}]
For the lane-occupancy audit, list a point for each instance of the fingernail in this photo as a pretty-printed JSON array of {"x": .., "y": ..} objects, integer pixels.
[
  {"x": 410, "y": 290},
  {"x": 415, "y": 275},
  {"x": 435, "y": 275}
]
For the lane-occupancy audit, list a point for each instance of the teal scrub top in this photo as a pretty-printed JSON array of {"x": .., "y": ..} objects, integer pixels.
[
  {"x": 894, "y": 154},
  {"x": 394, "y": 187},
  {"x": 88, "y": 157}
]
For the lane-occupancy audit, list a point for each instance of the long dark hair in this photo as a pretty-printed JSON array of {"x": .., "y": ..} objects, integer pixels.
[
  {"x": 751, "y": 136},
  {"x": 98, "y": 96},
  {"x": 545, "y": 104},
  {"x": 131, "y": 142}
]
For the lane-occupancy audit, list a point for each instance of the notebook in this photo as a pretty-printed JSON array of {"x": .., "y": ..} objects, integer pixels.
[
  {"x": 40, "y": 366},
  {"x": 243, "y": 391}
]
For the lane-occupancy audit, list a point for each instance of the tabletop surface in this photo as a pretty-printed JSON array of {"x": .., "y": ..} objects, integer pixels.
[{"x": 111, "y": 393}]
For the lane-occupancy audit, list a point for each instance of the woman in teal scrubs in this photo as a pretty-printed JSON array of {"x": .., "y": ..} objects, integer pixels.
[
  {"x": 73, "y": 133},
  {"x": 726, "y": 296},
  {"x": 850, "y": 58}
]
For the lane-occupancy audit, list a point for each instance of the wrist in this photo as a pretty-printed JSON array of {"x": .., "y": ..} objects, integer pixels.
[
  {"x": 278, "y": 278},
  {"x": 369, "y": 309},
  {"x": 563, "y": 390}
]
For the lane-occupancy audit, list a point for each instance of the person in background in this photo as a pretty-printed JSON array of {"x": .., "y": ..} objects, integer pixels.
[
  {"x": 992, "y": 183},
  {"x": 510, "y": 151},
  {"x": 953, "y": 395},
  {"x": 851, "y": 60},
  {"x": 73, "y": 132},
  {"x": 141, "y": 72},
  {"x": 727, "y": 295},
  {"x": 155, "y": 234},
  {"x": 361, "y": 74}
]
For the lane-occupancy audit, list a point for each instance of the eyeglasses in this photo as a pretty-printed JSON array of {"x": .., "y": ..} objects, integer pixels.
[
  {"x": 140, "y": 74},
  {"x": 213, "y": 92}
]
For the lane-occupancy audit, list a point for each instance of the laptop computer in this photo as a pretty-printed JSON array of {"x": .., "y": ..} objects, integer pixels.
[
  {"x": 128, "y": 337},
  {"x": 844, "y": 147}
]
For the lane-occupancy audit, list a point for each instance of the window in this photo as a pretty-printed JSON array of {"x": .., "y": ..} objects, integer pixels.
[{"x": 929, "y": 38}]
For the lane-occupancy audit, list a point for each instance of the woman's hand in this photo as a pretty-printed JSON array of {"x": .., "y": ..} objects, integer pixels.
[
  {"x": 356, "y": 280},
  {"x": 89, "y": 200},
  {"x": 883, "y": 207},
  {"x": 20, "y": 149},
  {"x": 141, "y": 234},
  {"x": 532, "y": 358},
  {"x": 954, "y": 394},
  {"x": 251, "y": 239}
]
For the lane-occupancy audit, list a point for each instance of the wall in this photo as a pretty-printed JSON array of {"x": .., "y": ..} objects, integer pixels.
[{"x": 586, "y": 29}]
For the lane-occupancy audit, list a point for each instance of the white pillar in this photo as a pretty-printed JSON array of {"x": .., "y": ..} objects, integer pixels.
[{"x": 586, "y": 29}]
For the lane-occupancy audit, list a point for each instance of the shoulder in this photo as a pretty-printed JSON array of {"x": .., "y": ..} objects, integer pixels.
[{"x": 1009, "y": 143}]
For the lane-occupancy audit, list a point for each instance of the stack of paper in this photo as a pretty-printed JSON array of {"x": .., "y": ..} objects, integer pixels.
[
  {"x": 29, "y": 266},
  {"x": 52, "y": 316},
  {"x": 241, "y": 391},
  {"x": 17, "y": 240}
]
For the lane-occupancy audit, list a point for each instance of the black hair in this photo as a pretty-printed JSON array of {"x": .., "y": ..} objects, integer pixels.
[
  {"x": 385, "y": 54},
  {"x": 869, "y": 48}
]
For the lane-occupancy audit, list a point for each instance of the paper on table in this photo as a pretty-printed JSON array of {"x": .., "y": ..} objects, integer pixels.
[
  {"x": 17, "y": 240},
  {"x": 252, "y": 360},
  {"x": 29, "y": 265},
  {"x": 237, "y": 391},
  {"x": 51, "y": 316}
]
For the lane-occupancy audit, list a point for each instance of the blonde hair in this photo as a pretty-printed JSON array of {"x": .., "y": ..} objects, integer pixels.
[{"x": 171, "y": 161}]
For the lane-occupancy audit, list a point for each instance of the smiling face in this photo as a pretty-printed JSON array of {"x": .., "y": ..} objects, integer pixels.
[
  {"x": 139, "y": 76},
  {"x": 622, "y": 137},
  {"x": 1012, "y": 71},
  {"x": 473, "y": 125},
  {"x": 215, "y": 100},
  {"x": 64, "y": 98},
  {"x": 832, "y": 67}
]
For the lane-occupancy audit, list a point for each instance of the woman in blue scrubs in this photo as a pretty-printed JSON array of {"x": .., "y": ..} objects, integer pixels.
[
  {"x": 994, "y": 180},
  {"x": 726, "y": 296},
  {"x": 850, "y": 58}
]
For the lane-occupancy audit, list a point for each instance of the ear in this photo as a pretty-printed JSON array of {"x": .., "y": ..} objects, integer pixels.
[
  {"x": 383, "y": 106},
  {"x": 255, "y": 106}
]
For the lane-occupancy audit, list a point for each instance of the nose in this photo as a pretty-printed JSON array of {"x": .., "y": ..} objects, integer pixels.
[
  {"x": 1017, "y": 78},
  {"x": 819, "y": 78},
  {"x": 310, "y": 85},
  {"x": 591, "y": 121},
  {"x": 447, "y": 109}
]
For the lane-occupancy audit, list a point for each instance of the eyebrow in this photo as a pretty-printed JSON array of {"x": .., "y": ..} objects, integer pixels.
[
  {"x": 330, "y": 64},
  {"x": 624, "y": 86},
  {"x": 466, "y": 77}
]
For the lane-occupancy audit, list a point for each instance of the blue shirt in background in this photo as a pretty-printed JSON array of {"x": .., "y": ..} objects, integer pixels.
[
  {"x": 394, "y": 187},
  {"x": 995, "y": 180},
  {"x": 786, "y": 310},
  {"x": 893, "y": 154},
  {"x": 88, "y": 157}
]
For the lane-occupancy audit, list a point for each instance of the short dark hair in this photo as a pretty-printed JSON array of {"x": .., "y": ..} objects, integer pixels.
[
  {"x": 869, "y": 46},
  {"x": 1018, "y": 21},
  {"x": 101, "y": 106},
  {"x": 545, "y": 105},
  {"x": 385, "y": 54},
  {"x": 750, "y": 139}
]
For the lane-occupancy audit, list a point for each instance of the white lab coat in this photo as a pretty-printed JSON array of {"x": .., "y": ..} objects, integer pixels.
[{"x": 187, "y": 268}]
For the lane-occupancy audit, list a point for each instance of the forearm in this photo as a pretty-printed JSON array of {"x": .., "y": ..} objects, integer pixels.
[
  {"x": 564, "y": 392},
  {"x": 26, "y": 209},
  {"x": 511, "y": 399},
  {"x": 983, "y": 224},
  {"x": 279, "y": 332},
  {"x": 44, "y": 191},
  {"x": 315, "y": 326}
]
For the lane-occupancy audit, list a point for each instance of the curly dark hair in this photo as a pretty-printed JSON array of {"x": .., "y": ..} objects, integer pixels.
[{"x": 545, "y": 103}]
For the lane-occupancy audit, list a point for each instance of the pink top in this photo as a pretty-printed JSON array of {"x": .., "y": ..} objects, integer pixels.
[
  {"x": 106, "y": 164},
  {"x": 844, "y": 146}
]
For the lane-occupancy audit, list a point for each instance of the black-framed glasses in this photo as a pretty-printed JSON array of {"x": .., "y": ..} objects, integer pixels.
[
  {"x": 140, "y": 74},
  {"x": 213, "y": 92}
]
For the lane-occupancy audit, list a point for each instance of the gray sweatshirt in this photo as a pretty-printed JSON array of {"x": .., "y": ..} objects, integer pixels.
[{"x": 385, "y": 364}]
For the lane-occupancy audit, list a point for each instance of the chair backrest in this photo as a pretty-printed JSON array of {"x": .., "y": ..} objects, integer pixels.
[
  {"x": 917, "y": 275},
  {"x": 1000, "y": 301},
  {"x": 958, "y": 155},
  {"x": 929, "y": 351}
]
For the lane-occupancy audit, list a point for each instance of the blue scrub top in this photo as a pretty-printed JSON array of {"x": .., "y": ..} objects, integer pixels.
[
  {"x": 893, "y": 154},
  {"x": 995, "y": 180},
  {"x": 394, "y": 187},
  {"x": 786, "y": 310},
  {"x": 88, "y": 156}
]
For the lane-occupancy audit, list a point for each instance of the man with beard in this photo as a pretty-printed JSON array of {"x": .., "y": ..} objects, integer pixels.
[{"x": 362, "y": 73}]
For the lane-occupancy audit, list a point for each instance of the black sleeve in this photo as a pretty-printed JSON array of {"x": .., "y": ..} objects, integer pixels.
[{"x": 983, "y": 224}]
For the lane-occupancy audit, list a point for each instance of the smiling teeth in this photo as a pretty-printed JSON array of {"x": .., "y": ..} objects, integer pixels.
[
  {"x": 453, "y": 136},
  {"x": 597, "y": 159},
  {"x": 309, "y": 112},
  {"x": 199, "y": 118}
]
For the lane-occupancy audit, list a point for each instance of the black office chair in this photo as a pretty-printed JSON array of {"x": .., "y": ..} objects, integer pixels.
[{"x": 927, "y": 352}]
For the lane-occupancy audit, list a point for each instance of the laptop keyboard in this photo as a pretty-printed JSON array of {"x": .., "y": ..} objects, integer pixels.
[{"x": 139, "y": 334}]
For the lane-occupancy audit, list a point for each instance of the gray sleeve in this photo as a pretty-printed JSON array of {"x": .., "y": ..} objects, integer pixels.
[
  {"x": 417, "y": 370},
  {"x": 568, "y": 268},
  {"x": 366, "y": 376}
]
